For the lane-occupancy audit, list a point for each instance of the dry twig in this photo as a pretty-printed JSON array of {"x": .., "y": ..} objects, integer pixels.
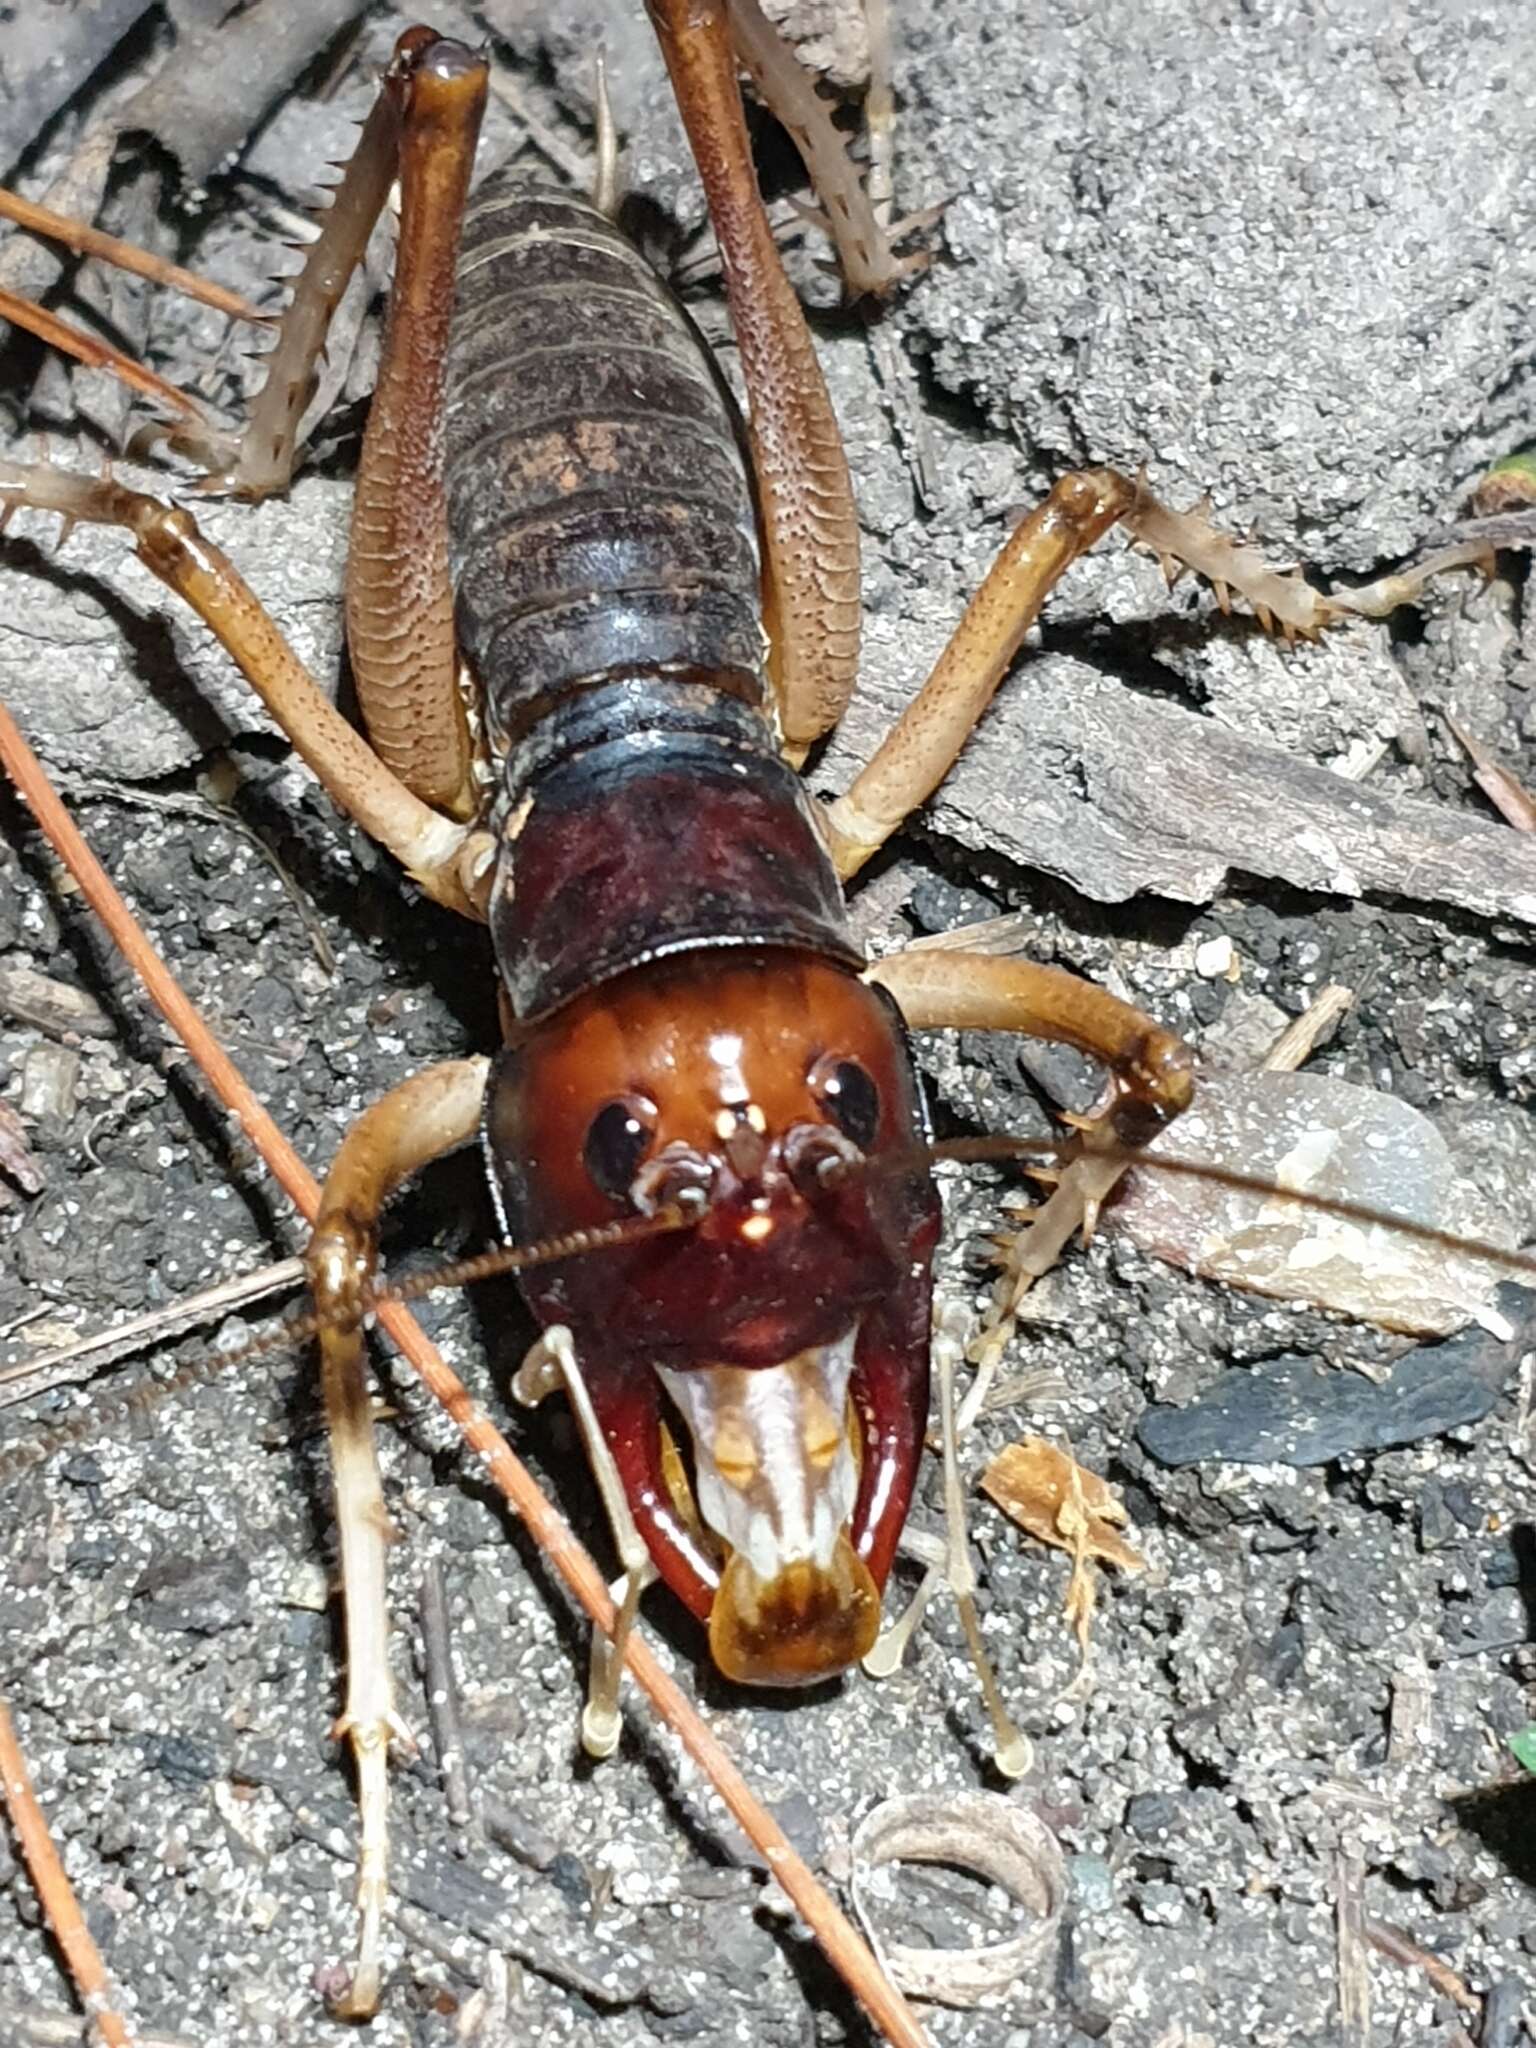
[{"x": 55, "y": 1893}]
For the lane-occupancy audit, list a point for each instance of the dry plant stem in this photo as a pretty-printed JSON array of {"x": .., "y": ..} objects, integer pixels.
[
  {"x": 158, "y": 1326},
  {"x": 879, "y": 112},
  {"x": 89, "y": 241},
  {"x": 810, "y": 529},
  {"x": 442, "y": 856},
  {"x": 606, "y": 191},
  {"x": 844, "y": 1949},
  {"x": 1304, "y": 1034},
  {"x": 32, "y": 2029},
  {"x": 1354, "y": 1963},
  {"x": 98, "y": 355},
  {"x": 54, "y": 1891},
  {"x": 1398, "y": 1947},
  {"x": 570, "y": 163},
  {"x": 399, "y": 594},
  {"x": 1510, "y": 798},
  {"x": 443, "y": 1696},
  {"x": 918, "y": 751}
]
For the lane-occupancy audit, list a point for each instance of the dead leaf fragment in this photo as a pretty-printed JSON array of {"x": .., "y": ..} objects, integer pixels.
[{"x": 1052, "y": 1497}]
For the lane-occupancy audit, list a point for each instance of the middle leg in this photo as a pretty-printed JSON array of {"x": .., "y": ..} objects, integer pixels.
[{"x": 925, "y": 741}]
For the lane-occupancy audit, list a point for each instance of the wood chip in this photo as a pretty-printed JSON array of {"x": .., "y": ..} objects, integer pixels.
[
  {"x": 16, "y": 1156},
  {"x": 56, "y": 1007},
  {"x": 1121, "y": 795},
  {"x": 221, "y": 82},
  {"x": 50, "y": 1083}
]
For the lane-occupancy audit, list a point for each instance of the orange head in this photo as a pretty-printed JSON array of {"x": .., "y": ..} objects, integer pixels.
[{"x": 771, "y": 1093}]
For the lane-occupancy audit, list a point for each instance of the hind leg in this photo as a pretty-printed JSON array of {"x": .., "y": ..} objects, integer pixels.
[{"x": 414, "y": 788}]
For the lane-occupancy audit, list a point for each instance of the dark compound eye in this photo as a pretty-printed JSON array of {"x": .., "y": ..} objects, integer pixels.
[
  {"x": 850, "y": 1098},
  {"x": 618, "y": 1139}
]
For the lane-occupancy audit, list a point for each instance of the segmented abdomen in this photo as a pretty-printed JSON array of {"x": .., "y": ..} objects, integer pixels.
[
  {"x": 600, "y": 517},
  {"x": 604, "y": 553}
]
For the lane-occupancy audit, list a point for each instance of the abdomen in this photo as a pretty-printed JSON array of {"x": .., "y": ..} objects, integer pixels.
[
  {"x": 604, "y": 552},
  {"x": 600, "y": 515}
]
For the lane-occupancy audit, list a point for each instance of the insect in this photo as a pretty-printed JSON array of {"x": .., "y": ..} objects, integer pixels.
[{"x": 631, "y": 1119}]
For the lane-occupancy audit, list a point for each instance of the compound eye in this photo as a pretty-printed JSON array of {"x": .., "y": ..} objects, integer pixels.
[
  {"x": 618, "y": 1139},
  {"x": 850, "y": 1098}
]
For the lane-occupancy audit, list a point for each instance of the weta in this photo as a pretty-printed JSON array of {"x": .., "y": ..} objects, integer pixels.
[{"x": 554, "y": 502}]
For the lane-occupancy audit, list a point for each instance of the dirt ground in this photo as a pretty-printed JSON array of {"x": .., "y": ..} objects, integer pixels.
[{"x": 1280, "y": 253}]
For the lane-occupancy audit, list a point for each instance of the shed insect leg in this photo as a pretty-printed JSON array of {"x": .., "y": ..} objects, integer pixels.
[
  {"x": 550, "y": 1365},
  {"x": 427, "y": 1116},
  {"x": 805, "y": 497}
]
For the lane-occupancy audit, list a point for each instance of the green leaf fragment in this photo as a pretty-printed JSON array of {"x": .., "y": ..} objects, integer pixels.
[{"x": 1509, "y": 486}]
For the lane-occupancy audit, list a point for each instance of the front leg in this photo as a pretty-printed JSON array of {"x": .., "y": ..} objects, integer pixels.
[
  {"x": 1151, "y": 1070},
  {"x": 431, "y": 1114},
  {"x": 1150, "y": 1080}
]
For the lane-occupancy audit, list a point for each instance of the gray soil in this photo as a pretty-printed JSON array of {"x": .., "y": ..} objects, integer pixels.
[{"x": 1285, "y": 254}]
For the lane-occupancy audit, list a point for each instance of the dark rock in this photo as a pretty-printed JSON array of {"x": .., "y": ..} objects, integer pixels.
[
  {"x": 566, "y": 1874},
  {"x": 182, "y": 1759},
  {"x": 1281, "y": 1662},
  {"x": 199, "y": 1596},
  {"x": 1501, "y": 1566},
  {"x": 1437, "y": 1525},
  {"x": 939, "y": 905},
  {"x": 1292, "y": 1412},
  {"x": 1458, "y": 1499},
  {"x": 92, "y": 1556},
  {"x": 1151, "y": 1814},
  {"x": 1503, "y": 2008}
]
